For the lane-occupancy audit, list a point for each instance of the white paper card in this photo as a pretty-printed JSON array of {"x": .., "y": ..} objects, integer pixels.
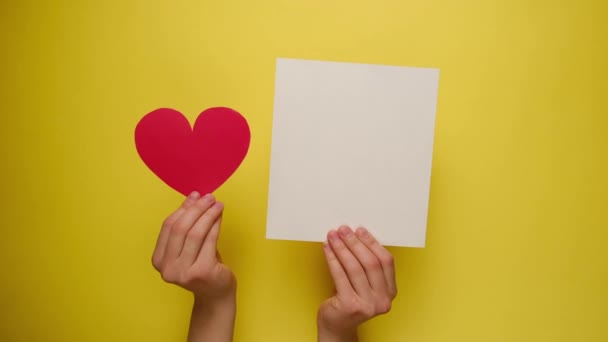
[{"x": 351, "y": 144}]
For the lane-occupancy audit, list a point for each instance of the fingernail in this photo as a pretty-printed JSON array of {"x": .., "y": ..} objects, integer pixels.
[
  {"x": 362, "y": 232},
  {"x": 333, "y": 236},
  {"x": 326, "y": 245},
  {"x": 219, "y": 205},
  {"x": 345, "y": 231},
  {"x": 208, "y": 198},
  {"x": 194, "y": 195}
]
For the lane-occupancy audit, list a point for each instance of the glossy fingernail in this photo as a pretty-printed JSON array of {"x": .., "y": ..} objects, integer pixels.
[
  {"x": 345, "y": 231},
  {"x": 333, "y": 236},
  {"x": 208, "y": 198},
  {"x": 194, "y": 195}
]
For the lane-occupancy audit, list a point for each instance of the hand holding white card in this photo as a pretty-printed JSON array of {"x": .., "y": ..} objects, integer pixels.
[{"x": 351, "y": 144}]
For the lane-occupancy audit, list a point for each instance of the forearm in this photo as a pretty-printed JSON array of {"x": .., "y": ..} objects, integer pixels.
[
  {"x": 212, "y": 321},
  {"x": 327, "y": 335}
]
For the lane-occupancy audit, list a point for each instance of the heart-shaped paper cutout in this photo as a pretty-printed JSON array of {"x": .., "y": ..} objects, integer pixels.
[{"x": 193, "y": 159}]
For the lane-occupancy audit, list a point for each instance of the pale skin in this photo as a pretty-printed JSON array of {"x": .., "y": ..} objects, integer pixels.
[
  {"x": 186, "y": 255},
  {"x": 364, "y": 276}
]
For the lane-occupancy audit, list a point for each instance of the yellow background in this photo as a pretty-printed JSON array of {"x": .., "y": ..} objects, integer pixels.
[{"x": 518, "y": 223}]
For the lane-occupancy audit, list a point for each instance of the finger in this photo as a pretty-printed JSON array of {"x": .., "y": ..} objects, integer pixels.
[
  {"x": 343, "y": 286},
  {"x": 199, "y": 233},
  {"x": 182, "y": 226},
  {"x": 208, "y": 251},
  {"x": 163, "y": 236},
  {"x": 354, "y": 270},
  {"x": 386, "y": 258},
  {"x": 196, "y": 240},
  {"x": 367, "y": 259}
]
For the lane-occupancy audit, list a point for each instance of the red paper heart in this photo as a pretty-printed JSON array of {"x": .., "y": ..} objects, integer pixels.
[{"x": 187, "y": 159}]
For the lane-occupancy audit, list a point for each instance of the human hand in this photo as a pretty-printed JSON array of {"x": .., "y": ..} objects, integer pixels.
[
  {"x": 186, "y": 255},
  {"x": 186, "y": 250},
  {"x": 364, "y": 275}
]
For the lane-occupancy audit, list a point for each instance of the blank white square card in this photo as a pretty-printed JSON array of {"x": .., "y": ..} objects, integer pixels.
[{"x": 351, "y": 144}]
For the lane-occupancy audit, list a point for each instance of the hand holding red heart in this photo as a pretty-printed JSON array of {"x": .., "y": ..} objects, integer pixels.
[{"x": 186, "y": 255}]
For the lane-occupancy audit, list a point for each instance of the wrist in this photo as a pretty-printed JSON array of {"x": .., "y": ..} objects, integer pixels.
[
  {"x": 217, "y": 304},
  {"x": 223, "y": 295},
  {"x": 327, "y": 333}
]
